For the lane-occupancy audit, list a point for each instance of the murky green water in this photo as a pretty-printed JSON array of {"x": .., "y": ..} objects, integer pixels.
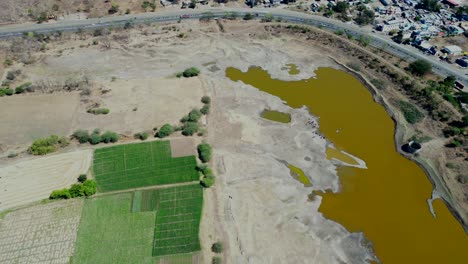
[
  {"x": 387, "y": 201},
  {"x": 299, "y": 175},
  {"x": 276, "y": 116}
]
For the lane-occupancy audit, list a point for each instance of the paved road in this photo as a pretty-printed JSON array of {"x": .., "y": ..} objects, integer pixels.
[{"x": 405, "y": 52}]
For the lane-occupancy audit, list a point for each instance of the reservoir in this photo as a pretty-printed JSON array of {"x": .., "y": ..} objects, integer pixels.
[{"x": 388, "y": 200}]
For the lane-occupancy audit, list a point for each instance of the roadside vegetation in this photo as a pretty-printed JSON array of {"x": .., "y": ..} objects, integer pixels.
[
  {"x": 410, "y": 112},
  {"x": 204, "y": 152},
  {"x": 208, "y": 177},
  {"x": 23, "y": 88},
  {"x": 43, "y": 146}
]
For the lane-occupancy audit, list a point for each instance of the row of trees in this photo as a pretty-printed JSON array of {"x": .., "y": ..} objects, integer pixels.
[
  {"x": 83, "y": 136},
  {"x": 85, "y": 188}
]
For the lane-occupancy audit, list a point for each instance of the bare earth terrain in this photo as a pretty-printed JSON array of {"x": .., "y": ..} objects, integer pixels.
[
  {"x": 31, "y": 180},
  {"x": 260, "y": 212}
]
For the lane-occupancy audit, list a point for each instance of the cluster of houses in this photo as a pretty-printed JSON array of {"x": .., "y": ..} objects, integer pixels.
[{"x": 417, "y": 26}]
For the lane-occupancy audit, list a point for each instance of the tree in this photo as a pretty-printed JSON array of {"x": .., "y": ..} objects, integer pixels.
[
  {"x": 194, "y": 115},
  {"x": 268, "y": 17},
  {"x": 76, "y": 190},
  {"x": 216, "y": 260},
  {"x": 9, "y": 91},
  {"x": 82, "y": 178},
  {"x": 189, "y": 128},
  {"x": 341, "y": 7},
  {"x": 420, "y": 67},
  {"x": 206, "y": 100},
  {"x": 81, "y": 135},
  {"x": 365, "y": 17},
  {"x": 165, "y": 131},
  {"x": 429, "y": 5},
  {"x": 217, "y": 247},
  {"x": 204, "y": 152},
  {"x": 142, "y": 136},
  {"x": 109, "y": 137},
  {"x": 95, "y": 138},
  {"x": 114, "y": 9},
  {"x": 191, "y": 72},
  {"x": 398, "y": 38},
  {"x": 205, "y": 109},
  {"x": 42, "y": 146},
  {"x": 207, "y": 182},
  {"x": 89, "y": 187}
]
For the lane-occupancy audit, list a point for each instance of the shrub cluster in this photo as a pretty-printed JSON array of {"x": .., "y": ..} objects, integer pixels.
[
  {"x": 142, "y": 135},
  {"x": 217, "y": 247},
  {"x": 99, "y": 111},
  {"x": 95, "y": 137},
  {"x": 204, "y": 152},
  {"x": 25, "y": 87},
  {"x": 208, "y": 177},
  {"x": 42, "y": 146},
  {"x": 410, "y": 112},
  {"x": 190, "y": 72},
  {"x": 87, "y": 188},
  {"x": 165, "y": 131}
]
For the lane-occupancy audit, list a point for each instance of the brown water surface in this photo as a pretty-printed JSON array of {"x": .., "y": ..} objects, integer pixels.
[{"x": 387, "y": 201}]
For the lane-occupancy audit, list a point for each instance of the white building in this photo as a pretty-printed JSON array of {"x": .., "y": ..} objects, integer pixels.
[{"x": 452, "y": 50}]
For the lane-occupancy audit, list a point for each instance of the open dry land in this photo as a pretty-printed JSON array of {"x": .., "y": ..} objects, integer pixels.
[
  {"x": 255, "y": 201},
  {"x": 35, "y": 178}
]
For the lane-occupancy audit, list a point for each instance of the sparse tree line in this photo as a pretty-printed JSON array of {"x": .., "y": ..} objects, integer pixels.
[
  {"x": 84, "y": 187},
  {"x": 189, "y": 123}
]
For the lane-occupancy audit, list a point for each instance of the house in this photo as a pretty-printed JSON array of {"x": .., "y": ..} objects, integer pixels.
[
  {"x": 452, "y": 50},
  {"x": 454, "y": 30}
]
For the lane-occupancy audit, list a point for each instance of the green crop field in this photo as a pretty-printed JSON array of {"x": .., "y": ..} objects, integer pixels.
[
  {"x": 110, "y": 233},
  {"x": 178, "y": 212},
  {"x": 142, "y": 164},
  {"x": 141, "y": 227}
]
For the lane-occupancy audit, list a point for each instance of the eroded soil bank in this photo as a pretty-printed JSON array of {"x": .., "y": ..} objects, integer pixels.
[{"x": 387, "y": 201}]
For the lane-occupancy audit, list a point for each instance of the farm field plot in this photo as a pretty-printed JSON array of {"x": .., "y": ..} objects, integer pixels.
[
  {"x": 178, "y": 212},
  {"x": 40, "y": 234},
  {"x": 110, "y": 233},
  {"x": 142, "y": 164}
]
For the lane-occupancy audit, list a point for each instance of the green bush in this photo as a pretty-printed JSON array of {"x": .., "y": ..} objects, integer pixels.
[
  {"x": 217, "y": 247},
  {"x": 207, "y": 182},
  {"x": 42, "y": 146},
  {"x": 89, "y": 187},
  {"x": 191, "y": 72},
  {"x": 81, "y": 135},
  {"x": 9, "y": 91},
  {"x": 248, "y": 16},
  {"x": 99, "y": 111},
  {"x": 420, "y": 67},
  {"x": 95, "y": 138},
  {"x": 189, "y": 128},
  {"x": 109, "y": 137},
  {"x": 2, "y": 92},
  {"x": 206, "y": 100},
  {"x": 82, "y": 178},
  {"x": 165, "y": 131},
  {"x": 19, "y": 90},
  {"x": 60, "y": 194},
  {"x": 216, "y": 260},
  {"x": 205, "y": 109},
  {"x": 204, "y": 152},
  {"x": 142, "y": 136},
  {"x": 76, "y": 190},
  {"x": 410, "y": 112},
  {"x": 194, "y": 115}
]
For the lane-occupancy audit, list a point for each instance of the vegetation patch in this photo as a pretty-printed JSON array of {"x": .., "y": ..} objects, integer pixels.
[
  {"x": 110, "y": 233},
  {"x": 190, "y": 72},
  {"x": 204, "y": 152},
  {"x": 99, "y": 111},
  {"x": 410, "y": 112},
  {"x": 42, "y": 146},
  {"x": 95, "y": 137},
  {"x": 85, "y": 188},
  {"x": 276, "y": 116},
  {"x": 143, "y": 164}
]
